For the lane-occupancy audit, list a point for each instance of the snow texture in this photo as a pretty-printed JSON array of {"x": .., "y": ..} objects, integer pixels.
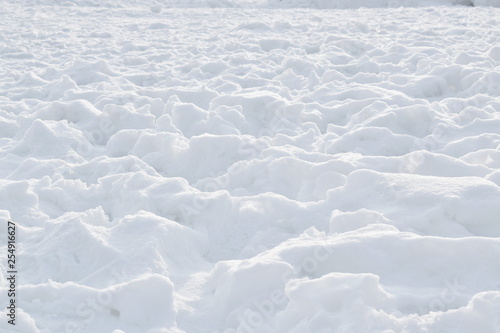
[{"x": 264, "y": 166}]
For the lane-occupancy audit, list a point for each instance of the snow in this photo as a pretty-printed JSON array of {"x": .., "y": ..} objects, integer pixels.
[{"x": 251, "y": 166}]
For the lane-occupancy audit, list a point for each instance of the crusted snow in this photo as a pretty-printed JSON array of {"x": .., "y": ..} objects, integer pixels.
[{"x": 257, "y": 167}]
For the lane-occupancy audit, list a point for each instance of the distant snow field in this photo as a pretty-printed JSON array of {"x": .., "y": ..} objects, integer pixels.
[{"x": 253, "y": 168}]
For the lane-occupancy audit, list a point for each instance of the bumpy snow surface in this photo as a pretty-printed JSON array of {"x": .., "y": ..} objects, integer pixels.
[{"x": 249, "y": 169}]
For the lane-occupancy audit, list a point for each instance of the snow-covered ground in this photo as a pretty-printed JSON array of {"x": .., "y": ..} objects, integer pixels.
[{"x": 251, "y": 168}]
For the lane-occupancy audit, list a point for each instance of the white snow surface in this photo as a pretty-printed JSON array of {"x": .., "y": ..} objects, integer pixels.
[
  {"x": 249, "y": 169},
  {"x": 316, "y": 4}
]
